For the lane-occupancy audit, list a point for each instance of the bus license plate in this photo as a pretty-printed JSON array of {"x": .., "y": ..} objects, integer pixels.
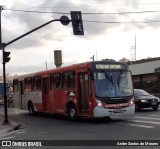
[{"x": 117, "y": 111}]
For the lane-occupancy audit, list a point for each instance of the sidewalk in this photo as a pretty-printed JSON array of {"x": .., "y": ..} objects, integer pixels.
[{"x": 4, "y": 129}]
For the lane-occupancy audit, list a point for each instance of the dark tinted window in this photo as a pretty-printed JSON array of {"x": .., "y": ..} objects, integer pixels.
[
  {"x": 28, "y": 84},
  {"x": 55, "y": 80},
  {"x": 138, "y": 92},
  {"x": 37, "y": 83},
  {"x": 15, "y": 85},
  {"x": 68, "y": 80}
]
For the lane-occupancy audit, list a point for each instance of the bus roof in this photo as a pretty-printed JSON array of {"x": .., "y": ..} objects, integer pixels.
[{"x": 67, "y": 68}]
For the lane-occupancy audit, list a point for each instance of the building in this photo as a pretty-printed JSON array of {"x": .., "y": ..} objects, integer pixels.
[{"x": 146, "y": 74}]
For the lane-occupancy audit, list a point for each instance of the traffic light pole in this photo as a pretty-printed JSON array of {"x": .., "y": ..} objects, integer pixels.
[
  {"x": 64, "y": 20},
  {"x": 77, "y": 28},
  {"x": 6, "y": 44},
  {"x": 4, "y": 85},
  {"x": 1, "y": 8},
  {"x": 4, "y": 74}
]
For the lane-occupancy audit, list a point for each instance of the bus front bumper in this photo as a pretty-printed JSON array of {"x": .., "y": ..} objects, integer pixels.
[{"x": 100, "y": 111}]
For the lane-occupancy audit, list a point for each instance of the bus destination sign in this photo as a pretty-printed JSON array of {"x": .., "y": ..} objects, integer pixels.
[{"x": 108, "y": 66}]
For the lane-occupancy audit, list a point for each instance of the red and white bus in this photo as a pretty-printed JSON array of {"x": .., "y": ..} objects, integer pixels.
[{"x": 91, "y": 89}]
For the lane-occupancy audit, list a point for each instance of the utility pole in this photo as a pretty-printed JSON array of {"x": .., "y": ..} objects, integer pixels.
[
  {"x": 4, "y": 85},
  {"x": 92, "y": 58},
  {"x": 46, "y": 65},
  {"x": 135, "y": 48},
  {"x": 96, "y": 55},
  {"x": 1, "y": 8},
  {"x": 6, "y": 122}
]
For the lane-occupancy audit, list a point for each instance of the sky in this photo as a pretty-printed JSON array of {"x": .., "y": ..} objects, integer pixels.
[{"x": 110, "y": 28}]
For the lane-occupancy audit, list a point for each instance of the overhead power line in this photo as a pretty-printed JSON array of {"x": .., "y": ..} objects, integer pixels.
[
  {"x": 123, "y": 22},
  {"x": 30, "y": 11},
  {"x": 90, "y": 5},
  {"x": 99, "y": 13},
  {"x": 111, "y": 22},
  {"x": 88, "y": 13},
  {"x": 92, "y": 21}
]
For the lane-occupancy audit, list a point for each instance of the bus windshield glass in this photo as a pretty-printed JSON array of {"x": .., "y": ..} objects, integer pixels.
[{"x": 112, "y": 84}]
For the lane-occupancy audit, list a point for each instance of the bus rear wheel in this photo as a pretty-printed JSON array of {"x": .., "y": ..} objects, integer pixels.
[
  {"x": 31, "y": 108},
  {"x": 72, "y": 113}
]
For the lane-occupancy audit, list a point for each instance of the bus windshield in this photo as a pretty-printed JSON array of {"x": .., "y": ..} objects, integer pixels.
[{"x": 112, "y": 84}]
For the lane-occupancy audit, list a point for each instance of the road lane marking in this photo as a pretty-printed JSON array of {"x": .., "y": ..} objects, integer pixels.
[
  {"x": 149, "y": 118},
  {"x": 12, "y": 133},
  {"x": 7, "y": 138},
  {"x": 157, "y": 123},
  {"x": 138, "y": 125},
  {"x": 153, "y": 115},
  {"x": 20, "y": 131}
]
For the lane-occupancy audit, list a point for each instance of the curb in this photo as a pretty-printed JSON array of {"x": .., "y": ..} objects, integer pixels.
[
  {"x": 16, "y": 127},
  {"x": 5, "y": 129}
]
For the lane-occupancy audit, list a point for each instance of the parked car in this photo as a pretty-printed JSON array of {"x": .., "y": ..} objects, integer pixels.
[{"x": 145, "y": 100}]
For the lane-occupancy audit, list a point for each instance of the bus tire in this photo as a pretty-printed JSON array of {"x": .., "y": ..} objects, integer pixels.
[
  {"x": 31, "y": 108},
  {"x": 72, "y": 112}
]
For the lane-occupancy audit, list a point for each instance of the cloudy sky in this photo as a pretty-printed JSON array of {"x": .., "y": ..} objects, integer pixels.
[{"x": 110, "y": 27}]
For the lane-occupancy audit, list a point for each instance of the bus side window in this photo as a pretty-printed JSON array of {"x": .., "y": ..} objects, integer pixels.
[
  {"x": 46, "y": 87},
  {"x": 55, "y": 80},
  {"x": 15, "y": 85},
  {"x": 68, "y": 80},
  {"x": 37, "y": 83},
  {"x": 71, "y": 81},
  {"x": 89, "y": 85},
  {"x": 21, "y": 87},
  {"x": 28, "y": 84}
]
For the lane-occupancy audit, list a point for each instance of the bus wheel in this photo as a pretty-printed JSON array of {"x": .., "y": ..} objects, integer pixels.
[
  {"x": 72, "y": 113},
  {"x": 30, "y": 108}
]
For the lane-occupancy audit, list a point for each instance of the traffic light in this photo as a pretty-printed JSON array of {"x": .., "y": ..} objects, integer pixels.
[
  {"x": 6, "y": 57},
  {"x": 77, "y": 23}
]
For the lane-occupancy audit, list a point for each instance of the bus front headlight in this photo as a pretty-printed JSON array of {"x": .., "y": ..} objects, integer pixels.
[
  {"x": 132, "y": 101},
  {"x": 99, "y": 103}
]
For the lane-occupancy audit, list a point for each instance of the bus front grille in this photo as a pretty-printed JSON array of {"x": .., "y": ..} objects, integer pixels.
[{"x": 116, "y": 101}]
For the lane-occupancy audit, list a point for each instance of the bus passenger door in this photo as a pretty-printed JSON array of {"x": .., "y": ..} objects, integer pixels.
[
  {"x": 83, "y": 79},
  {"x": 21, "y": 94},
  {"x": 45, "y": 94}
]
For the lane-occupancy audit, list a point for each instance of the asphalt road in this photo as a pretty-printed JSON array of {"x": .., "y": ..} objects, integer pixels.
[{"x": 144, "y": 125}]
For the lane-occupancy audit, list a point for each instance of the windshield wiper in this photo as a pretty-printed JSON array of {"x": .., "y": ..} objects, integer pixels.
[
  {"x": 110, "y": 79},
  {"x": 119, "y": 78}
]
